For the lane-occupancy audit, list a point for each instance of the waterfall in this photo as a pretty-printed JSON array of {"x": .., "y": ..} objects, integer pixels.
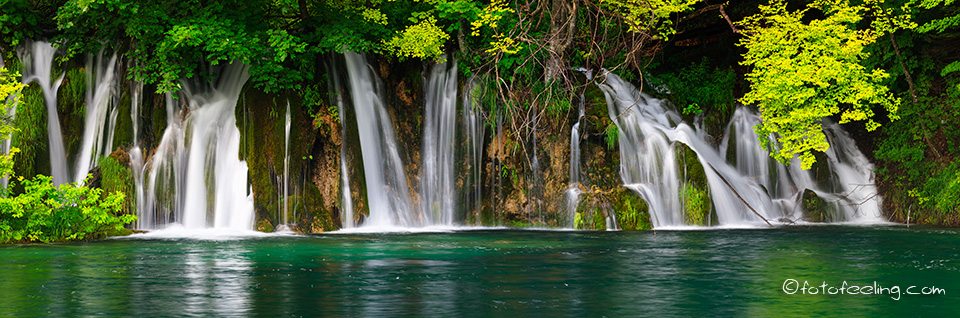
[
  {"x": 650, "y": 129},
  {"x": 388, "y": 194},
  {"x": 346, "y": 203},
  {"x": 437, "y": 174},
  {"x": 136, "y": 153},
  {"x": 286, "y": 169},
  {"x": 573, "y": 191},
  {"x": 38, "y": 62},
  {"x": 859, "y": 199},
  {"x": 101, "y": 113},
  {"x": 853, "y": 193},
  {"x": 473, "y": 140},
  {"x": 196, "y": 178}
]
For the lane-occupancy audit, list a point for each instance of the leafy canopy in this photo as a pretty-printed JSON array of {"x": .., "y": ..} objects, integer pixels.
[
  {"x": 805, "y": 71},
  {"x": 650, "y": 17}
]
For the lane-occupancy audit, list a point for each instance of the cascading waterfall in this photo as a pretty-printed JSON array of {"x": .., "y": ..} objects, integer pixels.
[
  {"x": 195, "y": 176},
  {"x": 387, "y": 190},
  {"x": 136, "y": 154},
  {"x": 346, "y": 203},
  {"x": 851, "y": 190},
  {"x": 858, "y": 196},
  {"x": 437, "y": 174},
  {"x": 536, "y": 176},
  {"x": 473, "y": 136},
  {"x": 286, "y": 169},
  {"x": 388, "y": 194},
  {"x": 573, "y": 192},
  {"x": 783, "y": 183},
  {"x": 650, "y": 129},
  {"x": 38, "y": 61},
  {"x": 101, "y": 113}
]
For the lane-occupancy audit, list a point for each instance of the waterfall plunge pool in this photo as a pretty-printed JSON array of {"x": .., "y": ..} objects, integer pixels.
[{"x": 724, "y": 272}]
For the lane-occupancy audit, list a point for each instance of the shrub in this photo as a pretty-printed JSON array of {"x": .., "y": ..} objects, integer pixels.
[{"x": 47, "y": 213}]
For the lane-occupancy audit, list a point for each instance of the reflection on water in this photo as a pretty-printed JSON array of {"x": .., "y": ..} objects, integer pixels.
[{"x": 483, "y": 273}]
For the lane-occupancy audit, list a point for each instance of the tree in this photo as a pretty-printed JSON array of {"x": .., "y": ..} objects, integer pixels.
[
  {"x": 803, "y": 72},
  {"x": 10, "y": 93}
]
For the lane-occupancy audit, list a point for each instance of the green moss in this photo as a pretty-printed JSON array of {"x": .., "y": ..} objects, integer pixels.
[
  {"x": 115, "y": 177},
  {"x": 73, "y": 92},
  {"x": 822, "y": 173},
  {"x": 314, "y": 212},
  {"x": 520, "y": 224},
  {"x": 31, "y": 136},
  {"x": 158, "y": 116},
  {"x": 120, "y": 232},
  {"x": 632, "y": 212},
  {"x": 696, "y": 205},
  {"x": 695, "y": 192},
  {"x": 816, "y": 209},
  {"x": 123, "y": 135},
  {"x": 71, "y": 105},
  {"x": 599, "y": 219},
  {"x": 264, "y": 226}
]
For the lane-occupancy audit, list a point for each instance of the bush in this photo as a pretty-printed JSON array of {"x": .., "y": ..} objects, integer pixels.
[
  {"x": 700, "y": 85},
  {"x": 47, "y": 213}
]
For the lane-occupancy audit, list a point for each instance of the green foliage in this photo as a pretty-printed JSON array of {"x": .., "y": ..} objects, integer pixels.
[
  {"x": 698, "y": 86},
  {"x": 424, "y": 40},
  {"x": 805, "y": 71},
  {"x": 696, "y": 205},
  {"x": 611, "y": 136},
  {"x": 942, "y": 24},
  {"x": 22, "y": 20},
  {"x": 599, "y": 219},
  {"x": 944, "y": 187},
  {"x": 281, "y": 40},
  {"x": 578, "y": 221},
  {"x": 692, "y": 109},
  {"x": 47, "y": 213},
  {"x": 633, "y": 214},
  {"x": 950, "y": 21},
  {"x": 650, "y": 17}
]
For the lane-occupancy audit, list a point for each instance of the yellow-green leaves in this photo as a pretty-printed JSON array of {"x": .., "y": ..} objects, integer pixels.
[
  {"x": 10, "y": 86},
  {"x": 803, "y": 72},
  {"x": 650, "y": 17},
  {"x": 491, "y": 14},
  {"x": 503, "y": 44},
  {"x": 374, "y": 15},
  {"x": 422, "y": 40}
]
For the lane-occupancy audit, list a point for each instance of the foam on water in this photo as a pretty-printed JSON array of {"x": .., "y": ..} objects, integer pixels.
[{"x": 177, "y": 231}]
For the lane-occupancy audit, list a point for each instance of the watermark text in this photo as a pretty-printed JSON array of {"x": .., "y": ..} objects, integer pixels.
[{"x": 793, "y": 287}]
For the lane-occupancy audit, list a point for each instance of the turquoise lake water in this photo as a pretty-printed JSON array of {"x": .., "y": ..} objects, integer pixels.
[{"x": 733, "y": 272}]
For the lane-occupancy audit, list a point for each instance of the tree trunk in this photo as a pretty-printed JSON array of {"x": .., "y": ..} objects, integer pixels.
[
  {"x": 913, "y": 95},
  {"x": 563, "y": 15}
]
